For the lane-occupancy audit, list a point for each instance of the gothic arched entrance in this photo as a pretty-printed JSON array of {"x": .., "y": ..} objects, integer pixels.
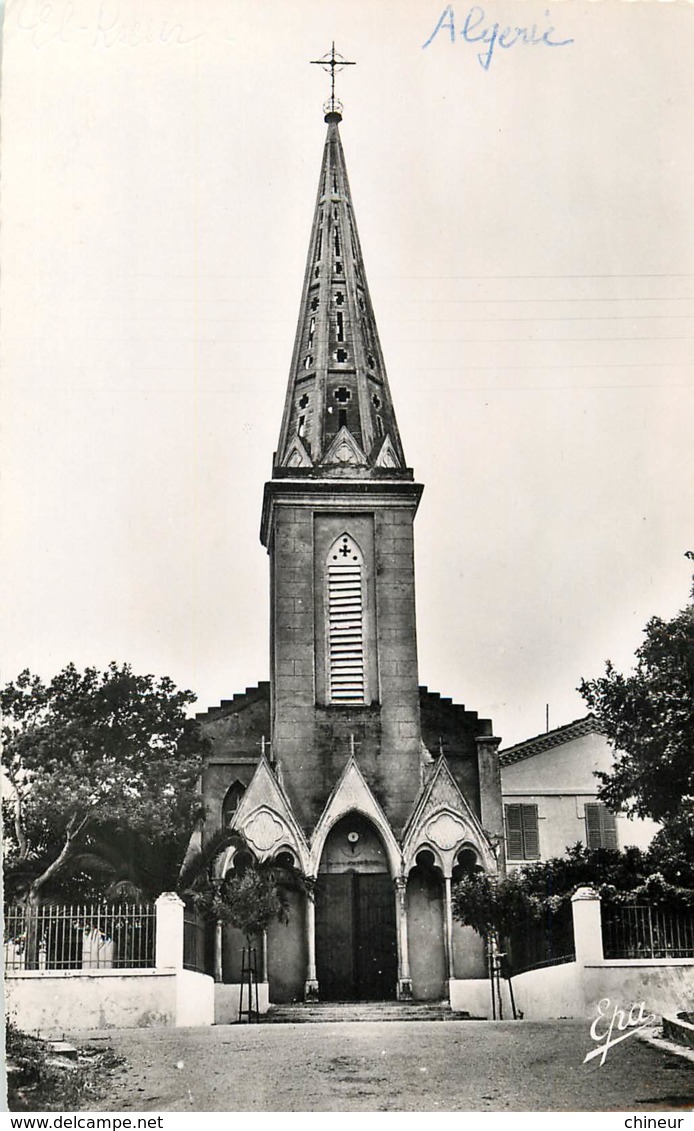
[{"x": 356, "y": 948}]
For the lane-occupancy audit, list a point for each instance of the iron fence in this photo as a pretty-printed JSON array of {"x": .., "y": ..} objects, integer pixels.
[
  {"x": 86, "y": 937},
  {"x": 194, "y": 940},
  {"x": 633, "y": 931},
  {"x": 548, "y": 941}
]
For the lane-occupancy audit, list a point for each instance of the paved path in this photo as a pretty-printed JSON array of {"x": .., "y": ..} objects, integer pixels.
[{"x": 390, "y": 1066}]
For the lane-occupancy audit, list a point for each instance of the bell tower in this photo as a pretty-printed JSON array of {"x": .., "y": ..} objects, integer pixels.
[
  {"x": 338, "y": 526},
  {"x": 379, "y": 791}
]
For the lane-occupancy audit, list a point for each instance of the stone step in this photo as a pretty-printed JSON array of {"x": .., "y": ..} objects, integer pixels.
[{"x": 323, "y": 1012}]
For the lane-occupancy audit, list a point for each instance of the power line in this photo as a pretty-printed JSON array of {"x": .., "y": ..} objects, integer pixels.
[
  {"x": 246, "y": 277},
  {"x": 664, "y": 298},
  {"x": 543, "y": 341},
  {"x": 542, "y": 318},
  {"x": 663, "y": 275},
  {"x": 592, "y": 365}
]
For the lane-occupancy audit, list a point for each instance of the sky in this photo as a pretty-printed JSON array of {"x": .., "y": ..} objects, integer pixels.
[{"x": 525, "y": 218}]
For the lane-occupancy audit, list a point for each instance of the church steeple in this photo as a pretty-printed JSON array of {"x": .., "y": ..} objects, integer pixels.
[
  {"x": 338, "y": 417},
  {"x": 337, "y": 522}
]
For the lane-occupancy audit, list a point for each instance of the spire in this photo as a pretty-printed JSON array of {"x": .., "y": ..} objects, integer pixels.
[{"x": 338, "y": 416}]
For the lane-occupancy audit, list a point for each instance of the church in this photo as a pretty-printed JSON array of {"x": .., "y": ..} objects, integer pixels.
[{"x": 378, "y": 790}]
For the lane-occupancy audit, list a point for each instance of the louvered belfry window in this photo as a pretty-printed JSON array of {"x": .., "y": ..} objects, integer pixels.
[{"x": 345, "y": 622}]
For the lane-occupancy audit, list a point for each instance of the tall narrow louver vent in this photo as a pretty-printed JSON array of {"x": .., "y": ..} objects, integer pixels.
[{"x": 345, "y": 599}]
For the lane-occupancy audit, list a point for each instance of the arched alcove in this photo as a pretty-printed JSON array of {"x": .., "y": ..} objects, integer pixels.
[
  {"x": 356, "y": 949},
  {"x": 286, "y": 937},
  {"x": 467, "y": 863},
  {"x": 425, "y": 928},
  {"x": 233, "y": 940},
  {"x": 468, "y": 947}
]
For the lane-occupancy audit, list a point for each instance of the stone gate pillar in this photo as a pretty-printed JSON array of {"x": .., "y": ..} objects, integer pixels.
[
  {"x": 587, "y": 920},
  {"x": 169, "y": 937}
]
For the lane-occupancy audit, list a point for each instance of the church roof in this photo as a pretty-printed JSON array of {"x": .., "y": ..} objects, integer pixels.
[
  {"x": 240, "y": 701},
  {"x": 338, "y": 417},
  {"x": 552, "y": 738}
]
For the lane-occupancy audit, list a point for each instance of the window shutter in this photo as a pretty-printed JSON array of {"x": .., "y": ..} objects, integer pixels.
[
  {"x": 609, "y": 828},
  {"x": 522, "y": 836},
  {"x": 593, "y": 837},
  {"x": 601, "y": 827},
  {"x": 531, "y": 838},
  {"x": 514, "y": 832}
]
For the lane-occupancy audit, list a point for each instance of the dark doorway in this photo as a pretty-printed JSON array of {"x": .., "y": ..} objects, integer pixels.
[
  {"x": 355, "y": 933},
  {"x": 356, "y": 950}
]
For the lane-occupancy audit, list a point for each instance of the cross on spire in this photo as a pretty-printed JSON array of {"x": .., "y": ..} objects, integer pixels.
[{"x": 332, "y": 62}]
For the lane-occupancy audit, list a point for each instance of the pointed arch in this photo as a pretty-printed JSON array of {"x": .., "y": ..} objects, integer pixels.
[
  {"x": 443, "y": 822},
  {"x": 266, "y": 820},
  {"x": 231, "y": 802},
  {"x": 345, "y": 602},
  {"x": 352, "y": 794}
]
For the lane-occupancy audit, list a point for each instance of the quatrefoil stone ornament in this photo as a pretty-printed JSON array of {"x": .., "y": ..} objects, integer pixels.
[
  {"x": 264, "y": 830},
  {"x": 445, "y": 831}
]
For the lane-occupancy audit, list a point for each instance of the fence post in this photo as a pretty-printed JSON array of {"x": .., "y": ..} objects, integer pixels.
[
  {"x": 587, "y": 919},
  {"x": 169, "y": 937}
]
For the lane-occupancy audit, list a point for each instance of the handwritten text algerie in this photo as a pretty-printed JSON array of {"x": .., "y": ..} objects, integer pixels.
[{"x": 476, "y": 29}]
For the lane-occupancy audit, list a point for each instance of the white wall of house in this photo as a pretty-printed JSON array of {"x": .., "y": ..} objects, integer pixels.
[{"x": 559, "y": 781}]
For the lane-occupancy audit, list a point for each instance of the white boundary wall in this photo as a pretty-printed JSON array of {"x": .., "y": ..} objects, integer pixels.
[
  {"x": 575, "y": 989},
  {"x": 226, "y": 1001},
  {"x": 53, "y": 1001}
]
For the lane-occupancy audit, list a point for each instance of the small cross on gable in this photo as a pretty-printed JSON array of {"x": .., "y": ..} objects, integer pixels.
[{"x": 264, "y": 745}]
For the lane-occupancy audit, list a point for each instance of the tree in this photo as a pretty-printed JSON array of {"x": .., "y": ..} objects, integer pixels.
[
  {"x": 94, "y": 755},
  {"x": 662, "y": 874},
  {"x": 250, "y": 897},
  {"x": 648, "y": 717},
  {"x": 494, "y": 905},
  {"x": 253, "y": 900}
]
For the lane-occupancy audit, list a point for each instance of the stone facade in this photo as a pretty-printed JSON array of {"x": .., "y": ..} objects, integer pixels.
[{"x": 377, "y": 790}]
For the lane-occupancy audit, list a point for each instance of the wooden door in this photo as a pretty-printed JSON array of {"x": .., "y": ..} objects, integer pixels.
[
  {"x": 334, "y": 938},
  {"x": 356, "y": 953},
  {"x": 376, "y": 958}
]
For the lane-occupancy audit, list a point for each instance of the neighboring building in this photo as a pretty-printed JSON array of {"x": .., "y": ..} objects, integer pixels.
[
  {"x": 341, "y": 765},
  {"x": 550, "y": 791}
]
